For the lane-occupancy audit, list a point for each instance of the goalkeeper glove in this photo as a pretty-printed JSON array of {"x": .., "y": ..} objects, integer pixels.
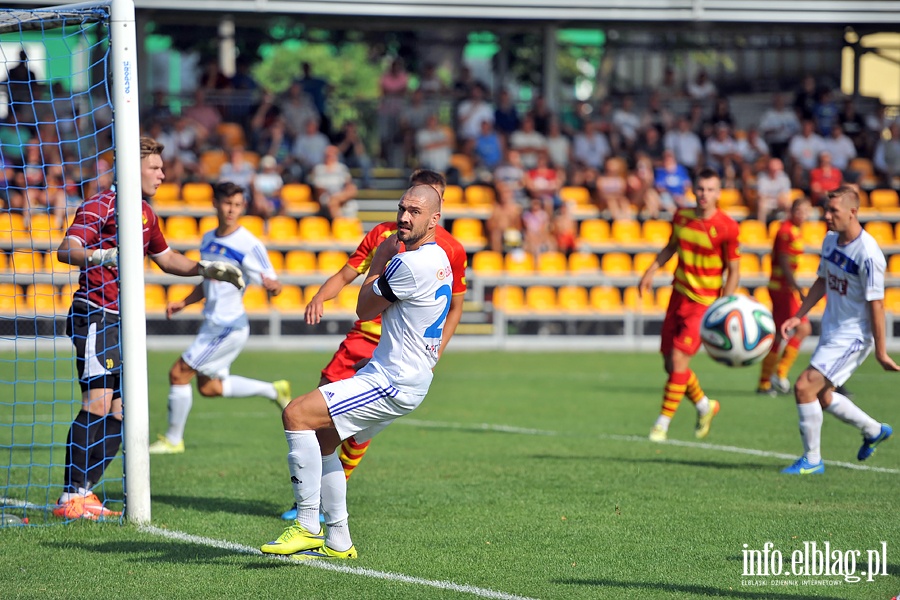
[
  {"x": 221, "y": 271},
  {"x": 105, "y": 258}
]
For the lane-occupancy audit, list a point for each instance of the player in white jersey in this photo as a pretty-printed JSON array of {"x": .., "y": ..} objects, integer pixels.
[
  {"x": 851, "y": 273},
  {"x": 225, "y": 326},
  {"x": 411, "y": 290}
]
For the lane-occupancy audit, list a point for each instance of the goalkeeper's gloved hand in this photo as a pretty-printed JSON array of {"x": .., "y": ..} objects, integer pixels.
[
  {"x": 222, "y": 271},
  {"x": 106, "y": 258}
]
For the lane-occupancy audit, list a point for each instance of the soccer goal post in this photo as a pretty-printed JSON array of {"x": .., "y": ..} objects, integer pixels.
[{"x": 69, "y": 128}]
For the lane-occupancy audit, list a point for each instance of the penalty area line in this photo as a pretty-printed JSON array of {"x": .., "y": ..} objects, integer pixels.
[
  {"x": 635, "y": 438},
  {"x": 331, "y": 566}
]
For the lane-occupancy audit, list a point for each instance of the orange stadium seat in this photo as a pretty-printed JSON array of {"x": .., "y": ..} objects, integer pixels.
[
  {"x": 487, "y": 262},
  {"x": 765, "y": 264},
  {"x": 594, "y": 231},
  {"x": 662, "y": 296},
  {"x": 181, "y": 228},
  {"x": 23, "y": 261},
  {"x": 4, "y": 262},
  {"x": 518, "y": 262},
  {"x": 584, "y": 262},
  {"x": 193, "y": 254},
  {"x": 540, "y": 298},
  {"x": 508, "y": 298},
  {"x": 207, "y": 223},
  {"x": 892, "y": 300},
  {"x": 884, "y": 199},
  {"x": 480, "y": 195},
  {"x": 63, "y": 299},
  {"x": 807, "y": 264},
  {"x": 453, "y": 195},
  {"x": 283, "y": 229},
  {"x": 348, "y": 298},
  {"x": 256, "y": 299},
  {"x": 580, "y": 195},
  {"x": 894, "y": 264},
  {"x": 882, "y": 231},
  {"x": 463, "y": 164},
  {"x": 8, "y": 293},
  {"x": 626, "y": 231},
  {"x": 813, "y": 233},
  {"x": 297, "y": 197},
  {"x": 730, "y": 197},
  {"x": 211, "y": 162},
  {"x": 277, "y": 260},
  {"x": 300, "y": 262},
  {"x": 657, "y": 232},
  {"x": 753, "y": 233},
  {"x": 44, "y": 230},
  {"x": 197, "y": 194},
  {"x": 314, "y": 229},
  {"x": 632, "y": 300},
  {"x": 616, "y": 264},
  {"x": 44, "y": 298},
  {"x": 254, "y": 224},
  {"x": 289, "y": 300},
  {"x": 572, "y": 298},
  {"x": 606, "y": 299},
  {"x": 468, "y": 230},
  {"x": 866, "y": 170},
  {"x": 178, "y": 292},
  {"x": 154, "y": 297},
  {"x": 12, "y": 227},
  {"x": 310, "y": 291},
  {"x": 348, "y": 230},
  {"x": 761, "y": 295},
  {"x": 331, "y": 261},
  {"x": 749, "y": 264},
  {"x": 642, "y": 260},
  {"x": 167, "y": 193},
  {"x": 551, "y": 263},
  {"x": 231, "y": 134}
]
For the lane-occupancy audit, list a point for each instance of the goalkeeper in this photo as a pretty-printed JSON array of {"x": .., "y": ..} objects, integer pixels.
[{"x": 93, "y": 325}]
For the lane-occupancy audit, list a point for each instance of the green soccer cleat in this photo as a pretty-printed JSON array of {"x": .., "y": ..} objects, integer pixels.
[
  {"x": 326, "y": 552},
  {"x": 704, "y": 421},
  {"x": 295, "y": 538},
  {"x": 283, "y": 389},
  {"x": 164, "y": 446}
]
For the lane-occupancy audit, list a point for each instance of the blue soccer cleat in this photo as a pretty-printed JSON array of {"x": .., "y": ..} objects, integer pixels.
[
  {"x": 291, "y": 514},
  {"x": 869, "y": 444},
  {"x": 804, "y": 467}
]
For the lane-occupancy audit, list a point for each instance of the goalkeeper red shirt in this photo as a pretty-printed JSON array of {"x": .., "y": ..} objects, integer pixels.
[
  {"x": 95, "y": 227},
  {"x": 705, "y": 247},
  {"x": 360, "y": 260}
]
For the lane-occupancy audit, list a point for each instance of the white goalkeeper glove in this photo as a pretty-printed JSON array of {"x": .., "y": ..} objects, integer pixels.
[
  {"x": 105, "y": 258},
  {"x": 222, "y": 271}
]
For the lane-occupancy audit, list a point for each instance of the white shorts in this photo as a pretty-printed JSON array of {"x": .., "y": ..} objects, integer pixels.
[
  {"x": 366, "y": 403},
  {"x": 838, "y": 359},
  {"x": 215, "y": 348}
]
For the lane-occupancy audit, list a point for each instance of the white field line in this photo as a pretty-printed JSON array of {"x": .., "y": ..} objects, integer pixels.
[
  {"x": 634, "y": 438},
  {"x": 332, "y": 566}
]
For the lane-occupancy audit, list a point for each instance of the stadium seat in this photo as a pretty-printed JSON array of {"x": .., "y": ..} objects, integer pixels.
[
  {"x": 642, "y": 260},
  {"x": 813, "y": 233},
  {"x": 892, "y": 300},
  {"x": 551, "y": 263},
  {"x": 231, "y": 134},
  {"x": 347, "y": 230},
  {"x": 540, "y": 298},
  {"x": 207, "y": 223},
  {"x": 572, "y": 298},
  {"x": 193, "y": 253},
  {"x": 730, "y": 197},
  {"x": 594, "y": 231},
  {"x": 255, "y": 225},
  {"x": 211, "y": 162},
  {"x": 487, "y": 262},
  {"x": 468, "y": 230},
  {"x": 662, "y": 296},
  {"x": 580, "y": 195},
  {"x": 866, "y": 170},
  {"x": 282, "y": 229},
  {"x": 761, "y": 295},
  {"x": 4, "y": 262},
  {"x": 167, "y": 194},
  {"x": 331, "y": 261},
  {"x": 884, "y": 199},
  {"x": 463, "y": 164},
  {"x": 27, "y": 262},
  {"x": 632, "y": 300},
  {"x": 480, "y": 195},
  {"x": 893, "y": 267},
  {"x": 765, "y": 264},
  {"x": 43, "y": 297},
  {"x": 616, "y": 264},
  {"x": 584, "y": 262},
  {"x": 154, "y": 297},
  {"x": 44, "y": 231},
  {"x": 882, "y": 231},
  {"x": 289, "y": 300},
  {"x": 314, "y": 229},
  {"x": 773, "y": 229},
  {"x": 300, "y": 262},
  {"x": 453, "y": 195},
  {"x": 256, "y": 299},
  {"x": 12, "y": 227},
  {"x": 508, "y": 298},
  {"x": 797, "y": 193},
  {"x": 8, "y": 294},
  {"x": 348, "y": 298},
  {"x": 297, "y": 197},
  {"x": 807, "y": 264},
  {"x": 605, "y": 299},
  {"x": 63, "y": 298},
  {"x": 181, "y": 228},
  {"x": 329, "y": 306},
  {"x": 657, "y": 232},
  {"x": 749, "y": 264},
  {"x": 753, "y": 233},
  {"x": 277, "y": 260},
  {"x": 518, "y": 262},
  {"x": 197, "y": 194},
  {"x": 626, "y": 231},
  {"x": 178, "y": 292}
]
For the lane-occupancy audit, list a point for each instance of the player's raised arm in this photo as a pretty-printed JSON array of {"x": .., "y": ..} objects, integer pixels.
[{"x": 329, "y": 291}]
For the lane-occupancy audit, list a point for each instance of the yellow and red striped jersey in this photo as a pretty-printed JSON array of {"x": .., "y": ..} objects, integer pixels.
[
  {"x": 704, "y": 247},
  {"x": 788, "y": 242}
]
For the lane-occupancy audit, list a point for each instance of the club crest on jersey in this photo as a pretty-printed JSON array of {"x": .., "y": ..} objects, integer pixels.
[
  {"x": 712, "y": 231},
  {"x": 143, "y": 218},
  {"x": 444, "y": 273}
]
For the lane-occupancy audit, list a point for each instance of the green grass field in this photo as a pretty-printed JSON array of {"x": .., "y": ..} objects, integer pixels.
[{"x": 522, "y": 475}]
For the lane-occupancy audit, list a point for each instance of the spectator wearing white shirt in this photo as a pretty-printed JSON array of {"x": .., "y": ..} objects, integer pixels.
[
  {"x": 472, "y": 112},
  {"x": 701, "y": 88},
  {"x": 722, "y": 155},
  {"x": 685, "y": 144},
  {"x": 840, "y": 147},
  {"x": 773, "y": 190},
  {"x": 590, "y": 147},
  {"x": 309, "y": 146},
  {"x": 529, "y": 142},
  {"x": 778, "y": 125},
  {"x": 627, "y": 122},
  {"x": 887, "y": 156},
  {"x": 559, "y": 148},
  {"x": 804, "y": 150},
  {"x": 433, "y": 146}
]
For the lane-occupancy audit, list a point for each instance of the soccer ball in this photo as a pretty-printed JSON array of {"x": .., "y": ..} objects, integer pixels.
[{"x": 737, "y": 330}]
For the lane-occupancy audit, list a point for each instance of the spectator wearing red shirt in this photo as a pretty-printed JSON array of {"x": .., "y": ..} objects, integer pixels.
[{"x": 823, "y": 179}]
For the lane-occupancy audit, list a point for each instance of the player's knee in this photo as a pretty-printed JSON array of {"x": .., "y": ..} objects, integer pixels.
[{"x": 180, "y": 373}]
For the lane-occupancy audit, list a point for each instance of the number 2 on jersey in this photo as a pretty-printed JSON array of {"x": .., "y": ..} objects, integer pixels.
[{"x": 436, "y": 328}]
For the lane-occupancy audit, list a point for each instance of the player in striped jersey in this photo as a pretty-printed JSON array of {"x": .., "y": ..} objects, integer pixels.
[
  {"x": 706, "y": 241},
  {"x": 786, "y": 297},
  {"x": 225, "y": 326}
]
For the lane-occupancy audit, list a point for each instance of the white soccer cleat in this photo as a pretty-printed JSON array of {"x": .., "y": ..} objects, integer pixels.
[{"x": 782, "y": 385}]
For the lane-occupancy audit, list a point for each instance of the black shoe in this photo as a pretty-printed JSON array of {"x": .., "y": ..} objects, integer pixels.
[{"x": 844, "y": 391}]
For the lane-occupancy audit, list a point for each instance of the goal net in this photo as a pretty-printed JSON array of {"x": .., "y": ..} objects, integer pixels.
[{"x": 60, "y": 112}]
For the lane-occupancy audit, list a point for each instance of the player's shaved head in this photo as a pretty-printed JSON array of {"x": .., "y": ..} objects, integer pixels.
[
  {"x": 427, "y": 194},
  {"x": 418, "y": 215},
  {"x": 849, "y": 196}
]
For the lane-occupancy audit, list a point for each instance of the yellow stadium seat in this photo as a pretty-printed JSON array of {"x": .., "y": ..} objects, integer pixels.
[
  {"x": 616, "y": 264},
  {"x": 866, "y": 170},
  {"x": 197, "y": 194},
  {"x": 256, "y": 299},
  {"x": 662, "y": 296},
  {"x": 12, "y": 227},
  {"x": 283, "y": 229},
  {"x": 348, "y": 298},
  {"x": 297, "y": 197},
  {"x": 749, "y": 264},
  {"x": 211, "y": 162},
  {"x": 8, "y": 294},
  {"x": 632, "y": 300},
  {"x": 572, "y": 298},
  {"x": 167, "y": 194},
  {"x": 27, "y": 262},
  {"x": 4, "y": 262},
  {"x": 24, "y": 303},
  {"x": 730, "y": 197},
  {"x": 813, "y": 233},
  {"x": 753, "y": 233},
  {"x": 300, "y": 262},
  {"x": 892, "y": 300},
  {"x": 231, "y": 134},
  {"x": 508, "y": 298},
  {"x": 289, "y": 300},
  {"x": 181, "y": 228},
  {"x": 453, "y": 195},
  {"x": 540, "y": 298},
  {"x": 63, "y": 299},
  {"x": 314, "y": 229},
  {"x": 254, "y": 224},
  {"x": 765, "y": 265},
  {"x": 331, "y": 261},
  {"x": 480, "y": 195},
  {"x": 797, "y": 193},
  {"x": 154, "y": 297},
  {"x": 178, "y": 292},
  {"x": 894, "y": 264},
  {"x": 580, "y": 195},
  {"x": 44, "y": 230},
  {"x": 329, "y": 306},
  {"x": 207, "y": 223},
  {"x": 773, "y": 229},
  {"x": 584, "y": 262},
  {"x": 43, "y": 297},
  {"x": 885, "y": 199},
  {"x": 807, "y": 264},
  {"x": 468, "y": 230},
  {"x": 606, "y": 299},
  {"x": 642, "y": 260},
  {"x": 277, "y": 260},
  {"x": 761, "y": 295},
  {"x": 594, "y": 231},
  {"x": 347, "y": 230},
  {"x": 626, "y": 231},
  {"x": 657, "y": 232},
  {"x": 487, "y": 262},
  {"x": 882, "y": 231},
  {"x": 551, "y": 263},
  {"x": 518, "y": 262},
  {"x": 193, "y": 254}
]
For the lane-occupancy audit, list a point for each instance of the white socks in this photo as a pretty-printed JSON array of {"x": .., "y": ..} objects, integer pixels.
[
  {"x": 235, "y": 386},
  {"x": 334, "y": 503},
  {"x": 702, "y": 406},
  {"x": 181, "y": 397},
  {"x": 663, "y": 421},
  {"x": 305, "y": 465},
  {"x": 843, "y": 408},
  {"x": 811, "y": 430}
]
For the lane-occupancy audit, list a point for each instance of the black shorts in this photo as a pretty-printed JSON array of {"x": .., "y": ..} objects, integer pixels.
[{"x": 95, "y": 334}]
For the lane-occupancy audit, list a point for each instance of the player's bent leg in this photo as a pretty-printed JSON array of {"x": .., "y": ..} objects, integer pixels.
[
  {"x": 871, "y": 443},
  {"x": 351, "y": 453}
]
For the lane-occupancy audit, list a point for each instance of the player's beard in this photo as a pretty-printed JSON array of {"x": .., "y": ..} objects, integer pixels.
[{"x": 412, "y": 236}]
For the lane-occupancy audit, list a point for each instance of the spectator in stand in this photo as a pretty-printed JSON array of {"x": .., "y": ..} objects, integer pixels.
[
  {"x": 702, "y": 88},
  {"x": 263, "y": 116},
  {"x": 352, "y": 151},
  {"x": 823, "y": 179},
  {"x": 722, "y": 155},
  {"x": 778, "y": 125},
  {"x": 841, "y": 149},
  {"x": 887, "y": 156},
  {"x": 463, "y": 84},
  {"x": 612, "y": 190},
  {"x": 541, "y": 114},
  {"x": 538, "y": 237},
  {"x": 267, "y": 189},
  {"x": 669, "y": 87},
  {"x": 14, "y": 134},
  {"x": 604, "y": 124},
  {"x": 529, "y": 142},
  {"x": 506, "y": 117},
  {"x": 317, "y": 90},
  {"x": 159, "y": 110},
  {"x": 699, "y": 123},
  {"x": 297, "y": 108},
  {"x": 685, "y": 144},
  {"x": 627, "y": 123},
  {"x": 656, "y": 114},
  {"x": 806, "y": 98},
  {"x": 511, "y": 175},
  {"x": 205, "y": 115},
  {"x": 773, "y": 191},
  {"x": 504, "y": 226},
  {"x": 414, "y": 119},
  {"x": 309, "y": 146},
  {"x": 488, "y": 150},
  {"x": 804, "y": 151},
  {"x": 559, "y": 148},
  {"x": 544, "y": 182},
  {"x": 274, "y": 141},
  {"x": 431, "y": 85},
  {"x": 590, "y": 149},
  {"x": 672, "y": 182},
  {"x": 239, "y": 171},
  {"x": 753, "y": 152},
  {"x": 565, "y": 229},
  {"x": 854, "y": 126},
  {"x": 333, "y": 186},
  {"x": 434, "y": 146},
  {"x": 650, "y": 144},
  {"x": 471, "y": 112},
  {"x": 825, "y": 113},
  {"x": 641, "y": 186}
]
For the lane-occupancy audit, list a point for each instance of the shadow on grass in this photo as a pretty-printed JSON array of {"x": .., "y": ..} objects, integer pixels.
[
  {"x": 702, "y": 590},
  {"x": 258, "y": 508},
  {"x": 662, "y": 461},
  {"x": 167, "y": 551}
]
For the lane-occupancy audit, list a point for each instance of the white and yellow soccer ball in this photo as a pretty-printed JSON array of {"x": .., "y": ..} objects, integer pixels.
[{"x": 737, "y": 330}]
